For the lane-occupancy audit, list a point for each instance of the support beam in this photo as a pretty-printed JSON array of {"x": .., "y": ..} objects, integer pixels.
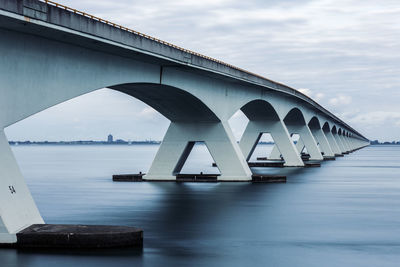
[
  {"x": 345, "y": 145},
  {"x": 179, "y": 141},
  {"x": 281, "y": 137},
  {"x": 346, "y": 139},
  {"x": 323, "y": 142},
  {"x": 275, "y": 153},
  {"x": 17, "y": 208},
  {"x": 339, "y": 142},
  {"x": 300, "y": 145},
  {"x": 307, "y": 138},
  {"x": 332, "y": 142}
]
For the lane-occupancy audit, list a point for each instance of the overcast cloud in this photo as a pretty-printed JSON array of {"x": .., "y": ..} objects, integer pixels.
[{"x": 344, "y": 54}]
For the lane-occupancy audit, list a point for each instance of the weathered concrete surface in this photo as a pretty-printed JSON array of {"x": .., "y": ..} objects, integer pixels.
[{"x": 79, "y": 236}]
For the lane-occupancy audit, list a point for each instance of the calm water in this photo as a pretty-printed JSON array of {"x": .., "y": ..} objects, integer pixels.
[{"x": 346, "y": 213}]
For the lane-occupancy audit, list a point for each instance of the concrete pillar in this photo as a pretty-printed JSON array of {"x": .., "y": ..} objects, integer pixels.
[
  {"x": 332, "y": 142},
  {"x": 281, "y": 137},
  {"x": 300, "y": 146},
  {"x": 179, "y": 141},
  {"x": 307, "y": 138},
  {"x": 350, "y": 143},
  {"x": 275, "y": 153},
  {"x": 345, "y": 145},
  {"x": 17, "y": 207},
  {"x": 339, "y": 142},
  {"x": 323, "y": 142}
]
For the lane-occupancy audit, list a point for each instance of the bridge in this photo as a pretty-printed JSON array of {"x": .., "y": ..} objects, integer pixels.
[{"x": 50, "y": 53}]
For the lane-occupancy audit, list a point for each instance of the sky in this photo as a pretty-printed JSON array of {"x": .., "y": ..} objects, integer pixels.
[{"x": 343, "y": 54}]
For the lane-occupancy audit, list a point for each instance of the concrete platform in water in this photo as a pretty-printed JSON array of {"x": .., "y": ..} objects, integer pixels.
[
  {"x": 200, "y": 178},
  {"x": 78, "y": 236},
  {"x": 309, "y": 164},
  {"x": 275, "y": 163}
]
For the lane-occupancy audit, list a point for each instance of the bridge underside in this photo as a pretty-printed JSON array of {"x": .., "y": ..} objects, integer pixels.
[{"x": 42, "y": 71}]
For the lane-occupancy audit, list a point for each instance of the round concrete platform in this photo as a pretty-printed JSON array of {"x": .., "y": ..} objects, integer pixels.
[{"x": 79, "y": 236}]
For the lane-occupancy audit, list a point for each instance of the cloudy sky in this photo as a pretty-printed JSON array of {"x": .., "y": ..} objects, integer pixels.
[{"x": 344, "y": 54}]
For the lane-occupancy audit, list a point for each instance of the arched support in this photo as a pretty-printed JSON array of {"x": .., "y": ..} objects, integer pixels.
[
  {"x": 17, "y": 207},
  {"x": 331, "y": 140},
  {"x": 323, "y": 142},
  {"x": 352, "y": 143},
  {"x": 281, "y": 137},
  {"x": 275, "y": 153},
  {"x": 346, "y": 140},
  {"x": 320, "y": 137},
  {"x": 308, "y": 140},
  {"x": 343, "y": 141},
  {"x": 179, "y": 140},
  {"x": 295, "y": 123},
  {"x": 264, "y": 119},
  {"x": 300, "y": 145},
  {"x": 338, "y": 140}
]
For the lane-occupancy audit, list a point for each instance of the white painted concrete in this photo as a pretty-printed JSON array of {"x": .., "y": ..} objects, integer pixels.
[
  {"x": 281, "y": 137},
  {"x": 17, "y": 208},
  {"x": 220, "y": 141},
  {"x": 307, "y": 139},
  {"x": 323, "y": 142}
]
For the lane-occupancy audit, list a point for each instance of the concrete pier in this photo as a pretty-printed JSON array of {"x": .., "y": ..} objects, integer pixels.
[
  {"x": 279, "y": 164},
  {"x": 310, "y": 164},
  {"x": 269, "y": 179},
  {"x": 128, "y": 177},
  {"x": 78, "y": 236},
  {"x": 199, "y": 178},
  {"x": 202, "y": 178}
]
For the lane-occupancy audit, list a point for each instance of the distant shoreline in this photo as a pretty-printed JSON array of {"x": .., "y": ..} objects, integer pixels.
[
  {"x": 80, "y": 143},
  {"x": 74, "y": 143}
]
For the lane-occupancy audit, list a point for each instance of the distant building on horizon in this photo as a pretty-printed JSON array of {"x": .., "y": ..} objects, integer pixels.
[{"x": 110, "y": 138}]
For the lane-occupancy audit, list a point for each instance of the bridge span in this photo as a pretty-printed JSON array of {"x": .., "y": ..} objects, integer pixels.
[{"x": 50, "y": 53}]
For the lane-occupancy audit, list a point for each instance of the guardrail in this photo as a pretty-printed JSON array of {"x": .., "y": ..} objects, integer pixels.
[{"x": 147, "y": 36}]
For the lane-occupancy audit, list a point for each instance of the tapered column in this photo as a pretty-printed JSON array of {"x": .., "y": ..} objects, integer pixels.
[
  {"x": 308, "y": 140},
  {"x": 323, "y": 142},
  {"x": 179, "y": 141},
  {"x": 349, "y": 143},
  {"x": 332, "y": 142},
  {"x": 17, "y": 208},
  {"x": 345, "y": 145},
  {"x": 339, "y": 142},
  {"x": 300, "y": 145},
  {"x": 275, "y": 153},
  {"x": 281, "y": 137}
]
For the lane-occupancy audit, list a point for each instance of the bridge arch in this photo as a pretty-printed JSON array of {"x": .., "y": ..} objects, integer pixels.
[
  {"x": 294, "y": 116},
  {"x": 334, "y": 129},
  {"x": 314, "y": 123},
  {"x": 260, "y": 110},
  {"x": 326, "y": 128},
  {"x": 174, "y": 103}
]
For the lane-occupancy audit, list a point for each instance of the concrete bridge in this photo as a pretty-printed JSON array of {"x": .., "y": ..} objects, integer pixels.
[{"x": 50, "y": 54}]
